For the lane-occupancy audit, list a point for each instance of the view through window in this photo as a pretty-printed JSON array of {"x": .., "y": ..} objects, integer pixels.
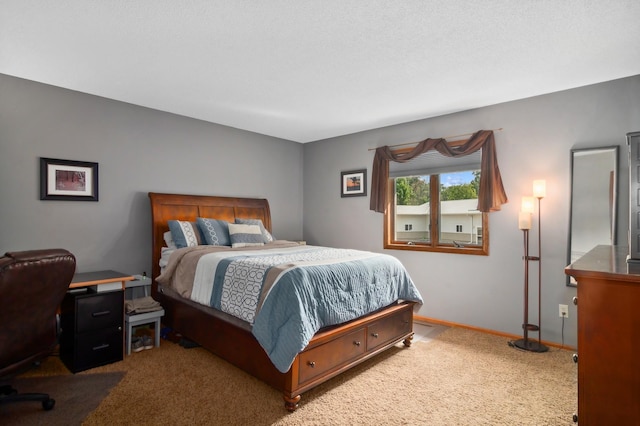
[{"x": 437, "y": 212}]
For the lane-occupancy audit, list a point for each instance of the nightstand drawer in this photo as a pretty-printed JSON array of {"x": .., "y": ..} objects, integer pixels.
[
  {"x": 97, "y": 348},
  {"x": 99, "y": 311}
]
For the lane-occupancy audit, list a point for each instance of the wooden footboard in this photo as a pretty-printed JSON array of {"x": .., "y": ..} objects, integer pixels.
[
  {"x": 338, "y": 349},
  {"x": 331, "y": 351}
]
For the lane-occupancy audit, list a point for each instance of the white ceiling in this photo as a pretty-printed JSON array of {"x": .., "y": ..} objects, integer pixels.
[{"x": 306, "y": 70}]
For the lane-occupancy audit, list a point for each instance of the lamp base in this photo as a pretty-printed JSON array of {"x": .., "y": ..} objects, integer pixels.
[{"x": 530, "y": 345}]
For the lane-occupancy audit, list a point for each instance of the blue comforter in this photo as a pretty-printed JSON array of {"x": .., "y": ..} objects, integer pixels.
[{"x": 289, "y": 293}]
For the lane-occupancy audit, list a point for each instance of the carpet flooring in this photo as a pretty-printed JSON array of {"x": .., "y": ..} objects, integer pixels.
[{"x": 460, "y": 377}]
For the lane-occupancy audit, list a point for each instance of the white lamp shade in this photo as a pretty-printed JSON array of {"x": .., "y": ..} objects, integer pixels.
[
  {"x": 524, "y": 220},
  {"x": 539, "y": 188},
  {"x": 527, "y": 205}
]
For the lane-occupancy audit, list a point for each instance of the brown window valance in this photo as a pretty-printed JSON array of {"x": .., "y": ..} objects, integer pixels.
[{"x": 491, "y": 196}]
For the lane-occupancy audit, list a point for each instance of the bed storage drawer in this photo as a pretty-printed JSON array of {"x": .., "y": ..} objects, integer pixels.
[
  {"x": 331, "y": 354},
  {"x": 389, "y": 328}
]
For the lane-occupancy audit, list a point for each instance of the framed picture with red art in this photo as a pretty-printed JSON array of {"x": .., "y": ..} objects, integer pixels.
[{"x": 68, "y": 180}]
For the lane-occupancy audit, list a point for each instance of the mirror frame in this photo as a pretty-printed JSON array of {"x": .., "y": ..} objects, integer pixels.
[{"x": 613, "y": 194}]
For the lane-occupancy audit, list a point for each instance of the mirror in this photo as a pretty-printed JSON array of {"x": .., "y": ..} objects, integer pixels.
[{"x": 594, "y": 200}]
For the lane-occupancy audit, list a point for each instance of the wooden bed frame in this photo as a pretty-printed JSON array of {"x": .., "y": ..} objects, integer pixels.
[{"x": 332, "y": 350}]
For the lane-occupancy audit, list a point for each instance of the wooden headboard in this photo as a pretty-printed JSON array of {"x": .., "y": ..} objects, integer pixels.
[{"x": 165, "y": 207}]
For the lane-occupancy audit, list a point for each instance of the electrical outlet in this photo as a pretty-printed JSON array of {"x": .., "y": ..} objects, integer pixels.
[{"x": 563, "y": 311}]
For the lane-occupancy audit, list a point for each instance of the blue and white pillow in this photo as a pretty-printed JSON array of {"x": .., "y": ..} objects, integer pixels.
[
  {"x": 245, "y": 235},
  {"x": 185, "y": 234},
  {"x": 215, "y": 232},
  {"x": 266, "y": 236}
]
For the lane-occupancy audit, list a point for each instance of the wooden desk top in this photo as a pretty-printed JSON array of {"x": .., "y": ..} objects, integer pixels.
[
  {"x": 86, "y": 279},
  {"x": 605, "y": 262}
]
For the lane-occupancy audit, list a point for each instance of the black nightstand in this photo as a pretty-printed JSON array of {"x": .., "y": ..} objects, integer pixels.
[
  {"x": 92, "y": 320},
  {"x": 91, "y": 329}
]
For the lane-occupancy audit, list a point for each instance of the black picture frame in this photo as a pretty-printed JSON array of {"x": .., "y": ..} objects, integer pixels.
[
  {"x": 68, "y": 180},
  {"x": 353, "y": 183}
]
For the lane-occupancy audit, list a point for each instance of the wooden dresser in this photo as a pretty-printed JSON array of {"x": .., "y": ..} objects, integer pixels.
[{"x": 608, "y": 304}]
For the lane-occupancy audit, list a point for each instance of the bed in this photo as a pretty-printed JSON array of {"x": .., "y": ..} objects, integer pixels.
[{"x": 329, "y": 352}]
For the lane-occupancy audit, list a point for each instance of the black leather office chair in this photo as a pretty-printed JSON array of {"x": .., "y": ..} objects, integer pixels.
[{"x": 32, "y": 286}]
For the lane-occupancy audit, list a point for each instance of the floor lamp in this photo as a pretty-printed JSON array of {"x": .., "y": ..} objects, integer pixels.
[{"x": 524, "y": 223}]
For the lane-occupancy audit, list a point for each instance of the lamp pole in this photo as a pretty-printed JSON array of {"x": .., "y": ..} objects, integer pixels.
[{"x": 524, "y": 223}]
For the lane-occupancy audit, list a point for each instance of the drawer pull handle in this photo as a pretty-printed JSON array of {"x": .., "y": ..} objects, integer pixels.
[
  {"x": 374, "y": 335},
  {"x": 100, "y": 314},
  {"x": 311, "y": 364},
  {"x": 355, "y": 342},
  {"x": 103, "y": 346}
]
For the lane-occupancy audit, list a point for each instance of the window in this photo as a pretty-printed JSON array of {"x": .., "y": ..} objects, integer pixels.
[{"x": 433, "y": 205}]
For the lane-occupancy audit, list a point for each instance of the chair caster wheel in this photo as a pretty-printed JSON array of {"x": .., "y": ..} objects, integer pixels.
[
  {"x": 48, "y": 404},
  {"x": 7, "y": 390}
]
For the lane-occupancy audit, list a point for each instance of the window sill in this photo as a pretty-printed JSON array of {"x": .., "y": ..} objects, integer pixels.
[{"x": 476, "y": 250}]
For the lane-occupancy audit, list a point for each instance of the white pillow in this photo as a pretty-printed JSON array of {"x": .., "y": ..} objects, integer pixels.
[{"x": 168, "y": 240}]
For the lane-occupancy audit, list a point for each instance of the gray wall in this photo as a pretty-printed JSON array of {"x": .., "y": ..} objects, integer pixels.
[
  {"x": 539, "y": 132},
  {"x": 138, "y": 150},
  {"x": 141, "y": 150}
]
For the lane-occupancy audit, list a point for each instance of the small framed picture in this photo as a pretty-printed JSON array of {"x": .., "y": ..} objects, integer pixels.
[
  {"x": 68, "y": 180},
  {"x": 353, "y": 183}
]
